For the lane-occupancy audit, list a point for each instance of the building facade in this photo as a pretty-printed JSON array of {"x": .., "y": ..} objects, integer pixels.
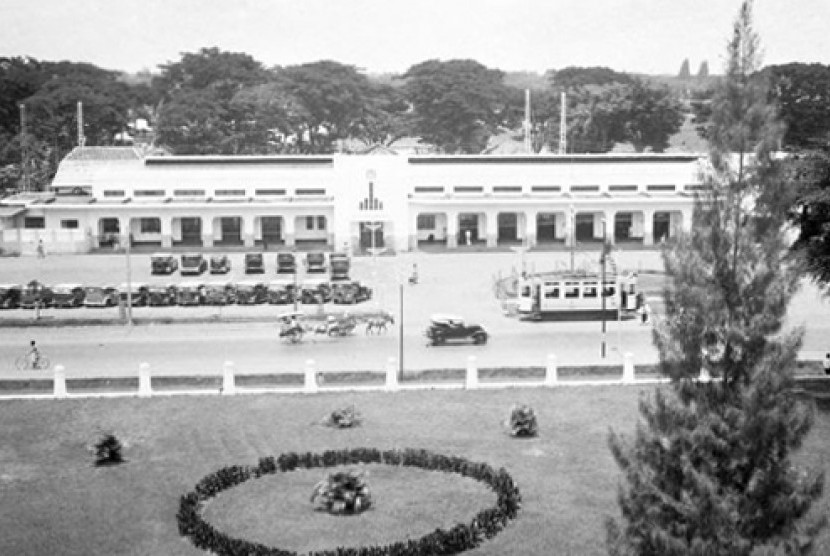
[{"x": 102, "y": 197}]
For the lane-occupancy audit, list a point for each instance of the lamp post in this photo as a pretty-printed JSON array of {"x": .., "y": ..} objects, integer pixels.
[{"x": 129, "y": 281}]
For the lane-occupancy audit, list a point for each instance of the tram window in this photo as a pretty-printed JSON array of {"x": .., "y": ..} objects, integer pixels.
[
  {"x": 609, "y": 290},
  {"x": 589, "y": 290},
  {"x": 571, "y": 290},
  {"x": 552, "y": 294},
  {"x": 525, "y": 291}
]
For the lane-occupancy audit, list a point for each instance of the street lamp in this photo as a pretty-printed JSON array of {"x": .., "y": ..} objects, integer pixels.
[{"x": 129, "y": 281}]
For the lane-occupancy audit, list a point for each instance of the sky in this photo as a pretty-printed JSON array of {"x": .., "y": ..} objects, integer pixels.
[{"x": 389, "y": 36}]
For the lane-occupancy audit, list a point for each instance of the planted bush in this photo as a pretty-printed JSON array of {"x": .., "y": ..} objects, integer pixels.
[
  {"x": 343, "y": 493},
  {"x": 522, "y": 421},
  {"x": 343, "y": 418},
  {"x": 108, "y": 451}
]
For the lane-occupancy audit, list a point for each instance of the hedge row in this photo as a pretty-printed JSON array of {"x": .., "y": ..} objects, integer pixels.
[{"x": 459, "y": 538}]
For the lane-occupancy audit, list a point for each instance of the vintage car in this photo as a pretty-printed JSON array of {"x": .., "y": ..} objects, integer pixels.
[
  {"x": 36, "y": 294},
  {"x": 10, "y": 296},
  {"x": 159, "y": 295},
  {"x": 315, "y": 262},
  {"x": 444, "y": 328},
  {"x": 138, "y": 294},
  {"x": 251, "y": 292},
  {"x": 315, "y": 290},
  {"x": 163, "y": 263},
  {"x": 68, "y": 295},
  {"x": 193, "y": 263},
  {"x": 220, "y": 264},
  {"x": 281, "y": 292},
  {"x": 348, "y": 292},
  {"x": 190, "y": 293},
  {"x": 254, "y": 263},
  {"x": 286, "y": 263},
  {"x": 219, "y": 293},
  {"x": 100, "y": 296},
  {"x": 340, "y": 265}
]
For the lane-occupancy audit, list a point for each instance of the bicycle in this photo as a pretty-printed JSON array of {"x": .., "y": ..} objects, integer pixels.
[{"x": 25, "y": 363}]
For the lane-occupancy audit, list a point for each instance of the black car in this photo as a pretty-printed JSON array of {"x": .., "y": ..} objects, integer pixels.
[
  {"x": 220, "y": 264},
  {"x": 68, "y": 295},
  {"x": 254, "y": 263},
  {"x": 163, "y": 263},
  {"x": 35, "y": 295},
  {"x": 286, "y": 263},
  {"x": 444, "y": 328},
  {"x": 160, "y": 295},
  {"x": 251, "y": 293}
]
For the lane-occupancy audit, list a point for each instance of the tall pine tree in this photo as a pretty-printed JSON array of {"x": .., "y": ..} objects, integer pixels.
[{"x": 709, "y": 470}]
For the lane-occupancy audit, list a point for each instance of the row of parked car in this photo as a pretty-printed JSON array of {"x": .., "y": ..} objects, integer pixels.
[
  {"x": 249, "y": 292},
  {"x": 286, "y": 263}
]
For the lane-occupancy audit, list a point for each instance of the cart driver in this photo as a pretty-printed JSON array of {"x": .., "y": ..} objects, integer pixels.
[{"x": 34, "y": 354}]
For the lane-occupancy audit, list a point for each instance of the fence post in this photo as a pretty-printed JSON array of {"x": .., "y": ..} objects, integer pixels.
[
  {"x": 472, "y": 373},
  {"x": 628, "y": 368},
  {"x": 145, "y": 390},
  {"x": 228, "y": 379},
  {"x": 60, "y": 382},
  {"x": 310, "y": 383},
  {"x": 551, "y": 371},
  {"x": 391, "y": 375}
]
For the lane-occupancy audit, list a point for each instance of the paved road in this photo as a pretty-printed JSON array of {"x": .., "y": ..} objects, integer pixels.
[{"x": 449, "y": 283}]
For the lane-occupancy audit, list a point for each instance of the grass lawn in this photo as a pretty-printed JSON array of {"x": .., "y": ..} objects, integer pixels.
[{"x": 55, "y": 502}]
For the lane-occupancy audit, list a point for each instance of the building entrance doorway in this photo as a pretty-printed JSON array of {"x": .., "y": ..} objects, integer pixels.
[
  {"x": 371, "y": 235},
  {"x": 191, "y": 230}
]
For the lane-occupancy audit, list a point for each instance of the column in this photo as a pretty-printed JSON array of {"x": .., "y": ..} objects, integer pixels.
[
  {"x": 412, "y": 231},
  {"x": 530, "y": 228},
  {"x": 126, "y": 232},
  {"x": 648, "y": 227},
  {"x": 610, "y": 228},
  {"x": 491, "y": 224},
  {"x": 570, "y": 226},
  {"x": 452, "y": 230},
  {"x": 288, "y": 228},
  {"x": 207, "y": 231},
  {"x": 166, "y": 233},
  {"x": 249, "y": 231}
]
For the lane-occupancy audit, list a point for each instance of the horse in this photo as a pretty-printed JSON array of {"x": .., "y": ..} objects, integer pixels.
[{"x": 377, "y": 325}]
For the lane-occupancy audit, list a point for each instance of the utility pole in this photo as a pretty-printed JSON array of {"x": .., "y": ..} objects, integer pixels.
[
  {"x": 563, "y": 127},
  {"x": 129, "y": 282},
  {"x": 602, "y": 284}
]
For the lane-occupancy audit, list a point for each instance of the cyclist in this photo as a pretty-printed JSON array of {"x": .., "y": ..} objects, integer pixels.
[{"x": 34, "y": 355}]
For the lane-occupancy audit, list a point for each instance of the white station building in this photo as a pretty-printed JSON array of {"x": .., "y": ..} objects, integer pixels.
[{"x": 103, "y": 197}]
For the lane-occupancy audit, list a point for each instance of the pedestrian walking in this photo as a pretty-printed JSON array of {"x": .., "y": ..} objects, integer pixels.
[{"x": 41, "y": 252}]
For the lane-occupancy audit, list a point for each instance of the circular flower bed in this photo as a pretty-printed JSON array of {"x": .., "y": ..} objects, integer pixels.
[{"x": 463, "y": 536}]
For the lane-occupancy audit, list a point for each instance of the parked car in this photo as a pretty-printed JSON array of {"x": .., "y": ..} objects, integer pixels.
[
  {"x": 193, "y": 263},
  {"x": 190, "y": 293},
  {"x": 10, "y": 296},
  {"x": 36, "y": 294},
  {"x": 161, "y": 295},
  {"x": 286, "y": 263},
  {"x": 138, "y": 294},
  {"x": 315, "y": 290},
  {"x": 281, "y": 292},
  {"x": 444, "y": 328},
  {"x": 349, "y": 292},
  {"x": 68, "y": 295},
  {"x": 163, "y": 263},
  {"x": 251, "y": 292},
  {"x": 100, "y": 296},
  {"x": 220, "y": 264},
  {"x": 315, "y": 262},
  {"x": 340, "y": 265},
  {"x": 254, "y": 263},
  {"x": 219, "y": 293}
]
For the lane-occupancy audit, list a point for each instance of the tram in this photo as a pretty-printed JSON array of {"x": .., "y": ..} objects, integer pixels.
[{"x": 568, "y": 294}]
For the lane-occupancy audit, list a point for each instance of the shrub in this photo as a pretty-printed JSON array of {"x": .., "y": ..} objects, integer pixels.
[
  {"x": 108, "y": 451},
  {"x": 343, "y": 493},
  {"x": 343, "y": 418},
  {"x": 522, "y": 421}
]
